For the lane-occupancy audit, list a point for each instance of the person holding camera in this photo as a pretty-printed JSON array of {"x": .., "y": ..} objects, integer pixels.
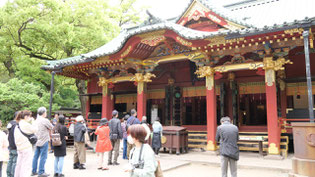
[
  {"x": 26, "y": 127},
  {"x": 142, "y": 160}
]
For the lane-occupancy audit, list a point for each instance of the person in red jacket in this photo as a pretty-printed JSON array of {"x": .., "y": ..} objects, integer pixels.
[{"x": 103, "y": 143}]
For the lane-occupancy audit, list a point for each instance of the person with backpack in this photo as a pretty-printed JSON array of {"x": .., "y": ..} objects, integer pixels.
[
  {"x": 25, "y": 128},
  {"x": 103, "y": 143},
  {"x": 115, "y": 136},
  {"x": 60, "y": 151},
  {"x": 125, "y": 135},
  {"x": 132, "y": 120},
  {"x": 12, "y": 147}
]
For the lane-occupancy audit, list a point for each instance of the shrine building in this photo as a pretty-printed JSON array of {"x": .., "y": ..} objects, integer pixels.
[{"x": 244, "y": 60}]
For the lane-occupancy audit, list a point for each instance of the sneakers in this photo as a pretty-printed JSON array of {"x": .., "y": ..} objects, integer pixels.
[
  {"x": 34, "y": 174},
  {"x": 61, "y": 175},
  {"x": 76, "y": 165},
  {"x": 109, "y": 163},
  {"x": 56, "y": 175},
  {"x": 81, "y": 167}
]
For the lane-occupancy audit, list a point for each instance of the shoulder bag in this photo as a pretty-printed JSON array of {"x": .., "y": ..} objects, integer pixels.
[{"x": 31, "y": 137}]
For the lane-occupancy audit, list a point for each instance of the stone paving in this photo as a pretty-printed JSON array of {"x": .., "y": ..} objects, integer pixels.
[{"x": 194, "y": 162}]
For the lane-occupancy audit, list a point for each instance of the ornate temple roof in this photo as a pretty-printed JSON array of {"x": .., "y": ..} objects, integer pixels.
[{"x": 257, "y": 17}]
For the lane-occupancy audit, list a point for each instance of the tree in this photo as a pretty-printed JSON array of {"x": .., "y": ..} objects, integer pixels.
[
  {"x": 51, "y": 30},
  {"x": 20, "y": 95}
]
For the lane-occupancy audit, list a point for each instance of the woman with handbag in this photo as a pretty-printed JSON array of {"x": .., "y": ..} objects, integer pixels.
[
  {"x": 142, "y": 162},
  {"x": 103, "y": 143},
  {"x": 24, "y": 138},
  {"x": 60, "y": 150}
]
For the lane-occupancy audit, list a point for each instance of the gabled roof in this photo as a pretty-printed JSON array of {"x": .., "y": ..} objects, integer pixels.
[
  {"x": 256, "y": 24},
  {"x": 218, "y": 10}
]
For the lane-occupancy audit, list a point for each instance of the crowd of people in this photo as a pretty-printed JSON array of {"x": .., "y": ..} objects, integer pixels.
[{"x": 26, "y": 144}]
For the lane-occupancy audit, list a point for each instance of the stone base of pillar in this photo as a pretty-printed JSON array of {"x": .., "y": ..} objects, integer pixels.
[
  {"x": 273, "y": 149},
  {"x": 303, "y": 167},
  {"x": 211, "y": 146}
]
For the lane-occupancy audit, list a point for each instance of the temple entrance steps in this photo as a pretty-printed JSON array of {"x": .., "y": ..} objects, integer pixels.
[{"x": 198, "y": 139}]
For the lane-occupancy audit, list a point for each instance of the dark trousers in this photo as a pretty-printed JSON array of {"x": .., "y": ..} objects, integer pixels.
[
  {"x": 12, "y": 163},
  {"x": 1, "y": 163},
  {"x": 125, "y": 148},
  {"x": 115, "y": 144}
]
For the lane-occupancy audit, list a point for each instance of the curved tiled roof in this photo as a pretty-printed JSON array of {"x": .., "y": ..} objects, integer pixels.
[{"x": 117, "y": 43}]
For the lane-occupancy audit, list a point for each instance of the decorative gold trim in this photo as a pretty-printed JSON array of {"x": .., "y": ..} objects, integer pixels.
[
  {"x": 183, "y": 41},
  {"x": 276, "y": 65},
  {"x": 216, "y": 40},
  {"x": 235, "y": 67},
  {"x": 273, "y": 149},
  {"x": 150, "y": 34},
  {"x": 211, "y": 146},
  {"x": 153, "y": 40},
  {"x": 126, "y": 52},
  {"x": 294, "y": 30},
  {"x": 139, "y": 77},
  {"x": 101, "y": 60},
  {"x": 208, "y": 72}
]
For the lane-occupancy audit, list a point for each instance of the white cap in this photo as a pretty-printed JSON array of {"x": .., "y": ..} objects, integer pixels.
[{"x": 79, "y": 119}]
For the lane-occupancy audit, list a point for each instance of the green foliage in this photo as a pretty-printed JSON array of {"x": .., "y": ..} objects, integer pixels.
[
  {"x": 20, "y": 95},
  {"x": 34, "y": 31}
]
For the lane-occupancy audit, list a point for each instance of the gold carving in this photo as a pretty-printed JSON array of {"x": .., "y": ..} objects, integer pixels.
[
  {"x": 141, "y": 79},
  {"x": 208, "y": 72},
  {"x": 126, "y": 52},
  {"x": 153, "y": 40},
  {"x": 273, "y": 149},
  {"x": 211, "y": 146},
  {"x": 276, "y": 65},
  {"x": 216, "y": 40},
  {"x": 104, "y": 84},
  {"x": 183, "y": 41}
]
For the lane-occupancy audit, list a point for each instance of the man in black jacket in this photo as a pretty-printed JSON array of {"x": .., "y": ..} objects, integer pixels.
[
  {"x": 227, "y": 134},
  {"x": 115, "y": 136},
  {"x": 79, "y": 144},
  {"x": 12, "y": 147}
]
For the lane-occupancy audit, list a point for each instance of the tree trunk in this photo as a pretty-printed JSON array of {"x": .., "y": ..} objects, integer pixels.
[
  {"x": 9, "y": 66},
  {"x": 82, "y": 90}
]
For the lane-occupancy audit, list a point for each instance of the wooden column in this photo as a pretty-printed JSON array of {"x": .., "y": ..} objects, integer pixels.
[
  {"x": 142, "y": 80},
  {"x": 141, "y": 100},
  {"x": 106, "y": 103},
  {"x": 208, "y": 72},
  {"x": 211, "y": 113},
  {"x": 272, "y": 115},
  {"x": 106, "y": 98}
]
